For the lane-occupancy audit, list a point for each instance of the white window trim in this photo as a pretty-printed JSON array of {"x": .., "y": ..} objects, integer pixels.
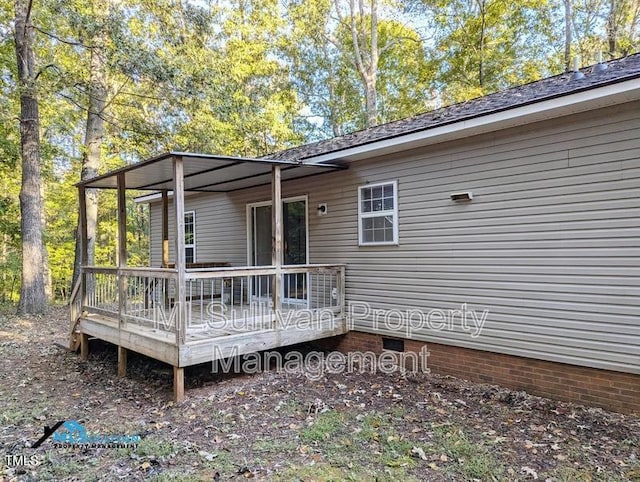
[
  {"x": 194, "y": 236},
  {"x": 391, "y": 212}
]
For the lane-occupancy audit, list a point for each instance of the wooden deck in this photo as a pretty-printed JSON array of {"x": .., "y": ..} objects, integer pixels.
[
  {"x": 208, "y": 340},
  {"x": 218, "y": 313}
]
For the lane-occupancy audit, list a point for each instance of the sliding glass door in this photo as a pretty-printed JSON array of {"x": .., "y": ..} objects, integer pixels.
[{"x": 294, "y": 214}]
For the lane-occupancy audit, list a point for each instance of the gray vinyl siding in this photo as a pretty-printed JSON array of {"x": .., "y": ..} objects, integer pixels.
[
  {"x": 550, "y": 244},
  {"x": 221, "y": 231}
]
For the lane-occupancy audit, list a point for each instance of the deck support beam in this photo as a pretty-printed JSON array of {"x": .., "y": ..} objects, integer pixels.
[
  {"x": 84, "y": 252},
  {"x": 122, "y": 362},
  {"x": 84, "y": 346},
  {"x": 276, "y": 230},
  {"x": 122, "y": 222},
  {"x": 178, "y": 384},
  {"x": 84, "y": 260},
  {"x": 181, "y": 288},
  {"x": 122, "y": 257}
]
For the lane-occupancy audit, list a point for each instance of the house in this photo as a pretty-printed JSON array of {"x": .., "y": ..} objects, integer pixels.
[{"x": 503, "y": 233}]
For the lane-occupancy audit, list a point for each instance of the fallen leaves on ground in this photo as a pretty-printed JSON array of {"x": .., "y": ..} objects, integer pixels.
[{"x": 274, "y": 426}]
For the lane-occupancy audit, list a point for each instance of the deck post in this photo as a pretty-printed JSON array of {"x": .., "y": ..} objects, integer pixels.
[
  {"x": 276, "y": 229},
  {"x": 82, "y": 225},
  {"x": 84, "y": 253},
  {"x": 84, "y": 346},
  {"x": 122, "y": 221},
  {"x": 122, "y": 246},
  {"x": 165, "y": 229},
  {"x": 122, "y": 263},
  {"x": 178, "y": 384},
  {"x": 74, "y": 342},
  {"x": 122, "y": 362},
  {"x": 181, "y": 288}
]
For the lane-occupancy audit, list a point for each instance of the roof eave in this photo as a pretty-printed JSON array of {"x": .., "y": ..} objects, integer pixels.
[{"x": 177, "y": 154}]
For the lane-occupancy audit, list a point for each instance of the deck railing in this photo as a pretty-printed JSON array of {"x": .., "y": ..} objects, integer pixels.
[
  {"x": 216, "y": 301},
  {"x": 141, "y": 296}
]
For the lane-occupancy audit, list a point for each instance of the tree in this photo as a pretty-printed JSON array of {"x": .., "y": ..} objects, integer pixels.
[
  {"x": 567, "y": 35},
  {"x": 94, "y": 129},
  {"x": 482, "y": 46},
  {"x": 406, "y": 75},
  {"x": 592, "y": 27},
  {"x": 587, "y": 18},
  {"x": 258, "y": 102},
  {"x": 361, "y": 20},
  {"x": 33, "y": 299},
  {"x": 10, "y": 179},
  {"x": 622, "y": 27},
  {"x": 323, "y": 76},
  {"x": 334, "y": 70}
]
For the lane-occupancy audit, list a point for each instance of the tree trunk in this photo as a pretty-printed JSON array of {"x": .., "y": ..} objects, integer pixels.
[
  {"x": 372, "y": 71},
  {"x": 482, "y": 43},
  {"x": 3, "y": 276},
  {"x": 48, "y": 280},
  {"x": 334, "y": 104},
  {"x": 92, "y": 143},
  {"x": 33, "y": 299},
  {"x": 371, "y": 96},
  {"x": 365, "y": 53},
  {"x": 612, "y": 29},
  {"x": 567, "y": 35}
]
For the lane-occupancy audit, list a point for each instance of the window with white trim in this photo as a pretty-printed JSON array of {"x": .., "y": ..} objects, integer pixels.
[
  {"x": 378, "y": 213},
  {"x": 190, "y": 236}
]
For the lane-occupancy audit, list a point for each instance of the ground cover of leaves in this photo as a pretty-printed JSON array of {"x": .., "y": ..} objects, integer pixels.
[{"x": 277, "y": 426}]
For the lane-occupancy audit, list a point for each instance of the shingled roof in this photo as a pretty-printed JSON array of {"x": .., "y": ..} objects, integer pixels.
[{"x": 617, "y": 70}]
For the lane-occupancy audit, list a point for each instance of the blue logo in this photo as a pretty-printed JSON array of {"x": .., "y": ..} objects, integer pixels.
[{"x": 72, "y": 432}]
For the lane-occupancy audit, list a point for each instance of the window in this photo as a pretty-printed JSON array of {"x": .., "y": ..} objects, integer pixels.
[
  {"x": 190, "y": 236},
  {"x": 378, "y": 213}
]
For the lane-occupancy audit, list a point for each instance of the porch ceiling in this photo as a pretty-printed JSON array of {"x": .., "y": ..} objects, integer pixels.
[{"x": 205, "y": 173}]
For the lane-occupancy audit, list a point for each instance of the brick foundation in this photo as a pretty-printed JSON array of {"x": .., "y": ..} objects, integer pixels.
[{"x": 615, "y": 391}]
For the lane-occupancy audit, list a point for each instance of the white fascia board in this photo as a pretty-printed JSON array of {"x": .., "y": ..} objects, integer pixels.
[
  {"x": 591, "y": 99},
  {"x": 157, "y": 196},
  {"x": 149, "y": 198}
]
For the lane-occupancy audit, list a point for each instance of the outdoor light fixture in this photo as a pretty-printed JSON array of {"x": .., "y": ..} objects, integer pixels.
[
  {"x": 322, "y": 209},
  {"x": 461, "y": 196}
]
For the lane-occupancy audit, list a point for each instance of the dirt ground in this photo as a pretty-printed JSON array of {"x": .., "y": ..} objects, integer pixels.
[{"x": 277, "y": 426}]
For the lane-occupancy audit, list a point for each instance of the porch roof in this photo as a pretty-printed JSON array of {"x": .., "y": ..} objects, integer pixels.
[{"x": 205, "y": 173}]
